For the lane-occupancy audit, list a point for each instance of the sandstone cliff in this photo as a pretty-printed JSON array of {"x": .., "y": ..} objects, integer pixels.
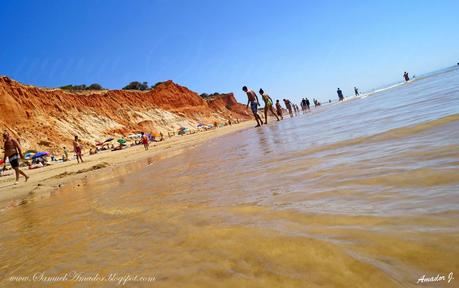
[{"x": 45, "y": 119}]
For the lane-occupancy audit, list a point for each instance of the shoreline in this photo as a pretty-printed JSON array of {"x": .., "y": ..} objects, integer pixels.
[{"x": 44, "y": 182}]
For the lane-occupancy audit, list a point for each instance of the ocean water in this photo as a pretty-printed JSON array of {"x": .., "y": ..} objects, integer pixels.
[{"x": 363, "y": 193}]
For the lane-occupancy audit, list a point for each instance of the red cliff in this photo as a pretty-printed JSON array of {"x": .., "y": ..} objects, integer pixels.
[{"x": 52, "y": 116}]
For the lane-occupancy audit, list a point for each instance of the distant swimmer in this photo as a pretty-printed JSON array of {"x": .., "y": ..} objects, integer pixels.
[
  {"x": 356, "y": 91},
  {"x": 279, "y": 109},
  {"x": 289, "y": 107},
  {"x": 253, "y": 101},
  {"x": 12, "y": 151},
  {"x": 340, "y": 94},
  {"x": 406, "y": 76},
  {"x": 268, "y": 105}
]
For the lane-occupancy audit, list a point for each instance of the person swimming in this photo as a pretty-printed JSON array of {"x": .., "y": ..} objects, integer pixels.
[
  {"x": 268, "y": 105},
  {"x": 254, "y": 103}
]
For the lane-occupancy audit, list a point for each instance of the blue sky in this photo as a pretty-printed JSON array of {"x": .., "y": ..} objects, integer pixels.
[{"x": 292, "y": 49}]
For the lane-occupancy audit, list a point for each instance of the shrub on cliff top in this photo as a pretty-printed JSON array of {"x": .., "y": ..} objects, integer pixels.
[
  {"x": 135, "y": 85},
  {"x": 95, "y": 86},
  {"x": 205, "y": 95},
  {"x": 81, "y": 87}
]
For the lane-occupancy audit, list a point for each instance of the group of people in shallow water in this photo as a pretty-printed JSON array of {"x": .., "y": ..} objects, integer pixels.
[
  {"x": 254, "y": 103},
  {"x": 293, "y": 109}
]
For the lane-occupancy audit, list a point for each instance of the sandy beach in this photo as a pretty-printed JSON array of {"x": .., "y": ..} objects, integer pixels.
[{"x": 45, "y": 181}]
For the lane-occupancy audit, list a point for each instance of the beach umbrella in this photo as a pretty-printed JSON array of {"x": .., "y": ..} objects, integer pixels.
[
  {"x": 121, "y": 141},
  {"x": 40, "y": 154},
  {"x": 27, "y": 156},
  {"x": 30, "y": 152},
  {"x": 155, "y": 133},
  {"x": 109, "y": 140}
]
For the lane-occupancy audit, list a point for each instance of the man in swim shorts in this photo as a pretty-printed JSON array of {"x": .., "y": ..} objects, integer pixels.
[
  {"x": 13, "y": 153},
  {"x": 253, "y": 101},
  {"x": 268, "y": 105}
]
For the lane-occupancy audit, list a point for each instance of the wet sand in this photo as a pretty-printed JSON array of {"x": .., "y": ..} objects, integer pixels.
[
  {"x": 368, "y": 200},
  {"x": 44, "y": 181}
]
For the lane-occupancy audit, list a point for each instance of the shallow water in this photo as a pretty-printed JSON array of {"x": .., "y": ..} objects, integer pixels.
[{"x": 362, "y": 193}]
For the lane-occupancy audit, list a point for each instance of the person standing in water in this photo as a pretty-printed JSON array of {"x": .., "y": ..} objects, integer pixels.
[
  {"x": 253, "y": 101},
  {"x": 77, "y": 149},
  {"x": 289, "y": 107},
  {"x": 340, "y": 94},
  {"x": 356, "y": 91},
  {"x": 279, "y": 109},
  {"x": 406, "y": 76},
  {"x": 303, "y": 105},
  {"x": 13, "y": 153},
  {"x": 308, "y": 104},
  {"x": 268, "y": 105}
]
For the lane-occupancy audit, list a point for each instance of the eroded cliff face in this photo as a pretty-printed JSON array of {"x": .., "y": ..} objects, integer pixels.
[
  {"x": 226, "y": 102},
  {"x": 47, "y": 119}
]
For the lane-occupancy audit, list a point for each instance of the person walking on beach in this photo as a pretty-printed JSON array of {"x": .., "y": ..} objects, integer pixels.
[
  {"x": 145, "y": 141},
  {"x": 308, "y": 104},
  {"x": 77, "y": 149},
  {"x": 289, "y": 107},
  {"x": 13, "y": 153},
  {"x": 356, "y": 91},
  {"x": 279, "y": 109},
  {"x": 268, "y": 105},
  {"x": 340, "y": 94},
  {"x": 254, "y": 103}
]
